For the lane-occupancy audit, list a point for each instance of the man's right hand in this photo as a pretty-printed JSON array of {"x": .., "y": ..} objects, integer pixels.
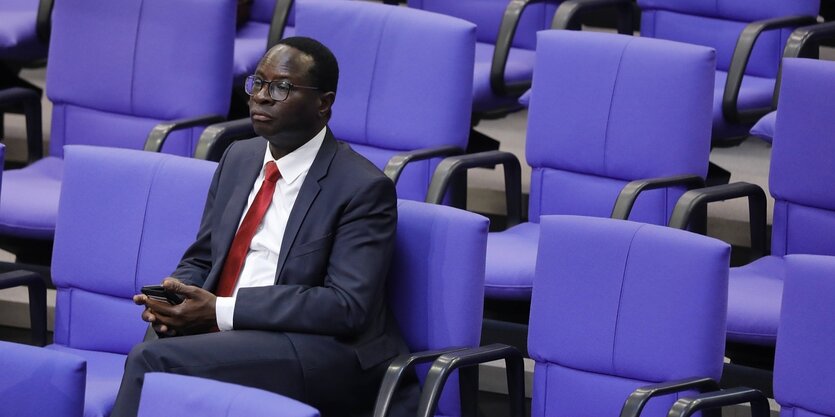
[{"x": 149, "y": 316}]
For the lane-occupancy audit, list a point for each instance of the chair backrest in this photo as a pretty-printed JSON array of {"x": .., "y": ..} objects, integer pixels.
[
  {"x": 608, "y": 109},
  {"x": 119, "y": 67},
  {"x": 617, "y": 305},
  {"x": 436, "y": 283},
  {"x": 801, "y": 175},
  {"x": 718, "y": 23},
  {"x": 171, "y": 395},
  {"x": 39, "y": 382},
  {"x": 804, "y": 367},
  {"x": 125, "y": 219},
  {"x": 487, "y": 15},
  {"x": 405, "y": 80}
]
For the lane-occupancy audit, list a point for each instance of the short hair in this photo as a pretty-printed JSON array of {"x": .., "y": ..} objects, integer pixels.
[{"x": 325, "y": 69}]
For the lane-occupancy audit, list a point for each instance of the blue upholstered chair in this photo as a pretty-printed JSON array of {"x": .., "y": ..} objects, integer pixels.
[
  {"x": 170, "y": 395},
  {"x": 804, "y": 367},
  {"x": 126, "y": 217},
  {"x": 748, "y": 38},
  {"x": 269, "y": 21},
  {"x": 606, "y": 110},
  {"x": 616, "y": 305},
  {"x": 24, "y": 34},
  {"x": 116, "y": 79},
  {"x": 37, "y": 382},
  {"x": 405, "y": 82},
  {"x": 435, "y": 290}
]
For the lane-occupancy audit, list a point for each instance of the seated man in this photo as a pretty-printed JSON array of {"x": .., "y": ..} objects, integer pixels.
[{"x": 284, "y": 286}]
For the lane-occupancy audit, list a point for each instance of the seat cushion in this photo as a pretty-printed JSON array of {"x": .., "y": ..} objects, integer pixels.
[
  {"x": 104, "y": 375},
  {"x": 755, "y": 292},
  {"x": 24, "y": 213},
  {"x": 18, "y": 41},
  {"x": 755, "y": 92},
  {"x": 511, "y": 260},
  {"x": 519, "y": 67},
  {"x": 250, "y": 45},
  {"x": 764, "y": 129}
]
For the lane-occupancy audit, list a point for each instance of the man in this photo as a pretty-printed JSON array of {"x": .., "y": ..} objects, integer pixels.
[{"x": 294, "y": 285}]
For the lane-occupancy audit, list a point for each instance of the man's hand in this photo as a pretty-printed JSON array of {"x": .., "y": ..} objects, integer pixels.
[{"x": 196, "y": 314}]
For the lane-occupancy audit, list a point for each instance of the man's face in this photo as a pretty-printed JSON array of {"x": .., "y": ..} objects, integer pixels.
[{"x": 293, "y": 119}]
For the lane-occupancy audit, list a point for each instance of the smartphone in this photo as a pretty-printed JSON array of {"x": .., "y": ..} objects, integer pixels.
[{"x": 157, "y": 292}]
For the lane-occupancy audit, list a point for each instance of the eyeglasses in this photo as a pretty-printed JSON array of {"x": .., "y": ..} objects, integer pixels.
[{"x": 279, "y": 90}]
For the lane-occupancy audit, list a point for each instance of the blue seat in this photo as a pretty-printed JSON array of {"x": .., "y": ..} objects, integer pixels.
[
  {"x": 170, "y": 395},
  {"x": 257, "y": 34},
  {"x": 24, "y": 35}
]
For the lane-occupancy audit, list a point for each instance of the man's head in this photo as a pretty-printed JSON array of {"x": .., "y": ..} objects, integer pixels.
[{"x": 292, "y": 92}]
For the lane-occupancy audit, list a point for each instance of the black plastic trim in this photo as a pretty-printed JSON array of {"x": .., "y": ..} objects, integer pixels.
[
  {"x": 638, "y": 399},
  {"x": 686, "y": 407},
  {"x": 161, "y": 131},
  {"x": 504, "y": 42},
  {"x": 217, "y": 137},
  {"x": 569, "y": 13},
  {"x": 398, "y": 162},
  {"x": 804, "y": 42},
  {"x": 31, "y": 102},
  {"x": 278, "y": 22},
  {"x": 36, "y": 285},
  {"x": 630, "y": 192},
  {"x": 43, "y": 24}
]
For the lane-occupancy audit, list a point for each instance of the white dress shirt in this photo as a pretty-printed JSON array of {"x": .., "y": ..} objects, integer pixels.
[{"x": 262, "y": 258}]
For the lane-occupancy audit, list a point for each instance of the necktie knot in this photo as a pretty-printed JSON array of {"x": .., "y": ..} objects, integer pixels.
[{"x": 271, "y": 173}]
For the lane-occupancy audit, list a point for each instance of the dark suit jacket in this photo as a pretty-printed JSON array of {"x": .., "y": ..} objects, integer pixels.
[{"x": 334, "y": 258}]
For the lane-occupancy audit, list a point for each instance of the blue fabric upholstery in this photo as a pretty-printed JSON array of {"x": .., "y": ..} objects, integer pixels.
[
  {"x": 617, "y": 305},
  {"x": 18, "y": 40},
  {"x": 764, "y": 128},
  {"x": 605, "y": 110},
  {"x": 170, "y": 395},
  {"x": 800, "y": 181},
  {"x": 37, "y": 382},
  {"x": 405, "y": 80},
  {"x": 251, "y": 37}
]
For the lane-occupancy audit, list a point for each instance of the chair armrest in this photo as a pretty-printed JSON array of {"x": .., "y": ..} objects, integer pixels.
[
  {"x": 31, "y": 102},
  {"x": 278, "y": 22},
  {"x": 686, "y": 407},
  {"x": 504, "y": 41},
  {"x": 37, "y": 299},
  {"x": 395, "y": 373},
  {"x": 452, "y": 166},
  {"x": 466, "y": 361},
  {"x": 697, "y": 199},
  {"x": 742, "y": 52},
  {"x": 43, "y": 24},
  {"x": 569, "y": 12},
  {"x": 630, "y": 192},
  {"x": 217, "y": 137},
  {"x": 395, "y": 165},
  {"x": 804, "y": 42},
  {"x": 161, "y": 131},
  {"x": 638, "y": 399}
]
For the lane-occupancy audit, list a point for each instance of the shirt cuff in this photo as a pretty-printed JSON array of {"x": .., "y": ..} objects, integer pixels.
[{"x": 224, "y": 312}]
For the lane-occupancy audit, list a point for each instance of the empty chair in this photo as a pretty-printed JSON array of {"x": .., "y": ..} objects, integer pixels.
[
  {"x": 435, "y": 289},
  {"x": 37, "y": 382},
  {"x": 617, "y": 305},
  {"x": 804, "y": 368},
  {"x": 126, "y": 217},
  {"x": 606, "y": 110},
  {"x": 170, "y": 395},
  {"x": 116, "y": 79}
]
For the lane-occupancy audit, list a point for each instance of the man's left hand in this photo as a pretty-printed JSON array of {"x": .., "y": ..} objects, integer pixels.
[{"x": 196, "y": 314}]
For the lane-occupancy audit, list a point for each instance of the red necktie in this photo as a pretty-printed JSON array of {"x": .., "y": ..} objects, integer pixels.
[{"x": 240, "y": 245}]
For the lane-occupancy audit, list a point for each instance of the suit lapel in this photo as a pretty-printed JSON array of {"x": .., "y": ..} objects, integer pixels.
[{"x": 307, "y": 194}]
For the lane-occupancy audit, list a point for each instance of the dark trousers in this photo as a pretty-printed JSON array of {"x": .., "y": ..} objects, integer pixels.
[{"x": 259, "y": 359}]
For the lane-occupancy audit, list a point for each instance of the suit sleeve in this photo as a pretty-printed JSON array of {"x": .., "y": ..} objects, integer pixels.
[{"x": 353, "y": 289}]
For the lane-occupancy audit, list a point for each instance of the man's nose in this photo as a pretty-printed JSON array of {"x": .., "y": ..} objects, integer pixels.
[{"x": 262, "y": 95}]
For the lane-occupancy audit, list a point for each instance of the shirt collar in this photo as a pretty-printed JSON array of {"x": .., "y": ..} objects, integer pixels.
[{"x": 295, "y": 163}]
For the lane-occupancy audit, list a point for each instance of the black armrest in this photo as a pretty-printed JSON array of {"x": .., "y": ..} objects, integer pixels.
[
  {"x": 217, "y": 137},
  {"x": 569, "y": 13},
  {"x": 696, "y": 199},
  {"x": 742, "y": 52},
  {"x": 452, "y": 166},
  {"x": 31, "y": 102},
  {"x": 504, "y": 41},
  {"x": 161, "y": 131},
  {"x": 398, "y": 162},
  {"x": 278, "y": 22},
  {"x": 395, "y": 373},
  {"x": 44, "y": 20},
  {"x": 630, "y": 192},
  {"x": 37, "y": 299},
  {"x": 686, "y": 407},
  {"x": 804, "y": 42},
  {"x": 466, "y": 361},
  {"x": 639, "y": 398}
]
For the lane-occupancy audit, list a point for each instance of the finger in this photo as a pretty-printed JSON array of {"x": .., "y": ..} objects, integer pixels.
[
  {"x": 175, "y": 285},
  {"x": 148, "y": 316},
  {"x": 140, "y": 299}
]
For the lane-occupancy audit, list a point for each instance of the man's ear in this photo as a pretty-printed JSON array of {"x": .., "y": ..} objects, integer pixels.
[{"x": 326, "y": 102}]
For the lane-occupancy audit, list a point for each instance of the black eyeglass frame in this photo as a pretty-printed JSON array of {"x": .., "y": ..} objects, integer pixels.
[{"x": 282, "y": 85}]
